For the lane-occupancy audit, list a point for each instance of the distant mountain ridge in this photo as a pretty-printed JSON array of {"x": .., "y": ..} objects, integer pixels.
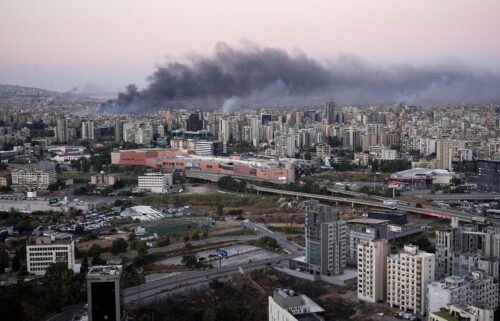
[{"x": 11, "y": 91}]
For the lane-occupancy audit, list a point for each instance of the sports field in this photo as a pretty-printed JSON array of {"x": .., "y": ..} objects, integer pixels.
[{"x": 174, "y": 228}]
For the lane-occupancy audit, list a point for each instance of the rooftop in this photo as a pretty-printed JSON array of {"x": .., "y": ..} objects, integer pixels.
[
  {"x": 299, "y": 305},
  {"x": 105, "y": 270},
  {"x": 445, "y": 315},
  {"x": 368, "y": 221}
]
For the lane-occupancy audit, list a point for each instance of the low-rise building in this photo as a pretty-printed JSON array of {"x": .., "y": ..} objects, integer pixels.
[
  {"x": 156, "y": 182},
  {"x": 5, "y": 178},
  {"x": 103, "y": 180},
  {"x": 42, "y": 251},
  {"x": 33, "y": 178},
  {"x": 286, "y": 305},
  {"x": 461, "y": 312}
]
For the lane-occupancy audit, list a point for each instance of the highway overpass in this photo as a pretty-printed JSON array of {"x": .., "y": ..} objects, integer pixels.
[
  {"x": 215, "y": 177},
  {"x": 455, "y": 196},
  {"x": 425, "y": 210}
]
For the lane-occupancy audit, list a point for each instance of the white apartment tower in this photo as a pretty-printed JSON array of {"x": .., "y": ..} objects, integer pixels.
[
  {"x": 372, "y": 270},
  {"x": 408, "y": 274},
  {"x": 443, "y": 154}
]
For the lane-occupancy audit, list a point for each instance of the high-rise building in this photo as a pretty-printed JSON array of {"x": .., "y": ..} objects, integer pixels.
[
  {"x": 265, "y": 118},
  {"x": 364, "y": 230},
  {"x": 443, "y": 154},
  {"x": 62, "y": 130},
  {"x": 372, "y": 270},
  {"x": 329, "y": 112},
  {"x": 209, "y": 148},
  {"x": 118, "y": 131},
  {"x": 194, "y": 122},
  {"x": 408, "y": 274},
  {"x": 104, "y": 293},
  {"x": 88, "y": 129},
  {"x": 286, "y": 305},
  {"x": 325, "y": 240},
  {"x": 488, "y": 173}
]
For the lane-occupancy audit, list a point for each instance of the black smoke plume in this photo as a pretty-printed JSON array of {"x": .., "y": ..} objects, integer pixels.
[{"x": 251, "y": 76}]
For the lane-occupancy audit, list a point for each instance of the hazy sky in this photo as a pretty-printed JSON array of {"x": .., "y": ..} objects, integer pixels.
[{"x": 60, "y": 44}]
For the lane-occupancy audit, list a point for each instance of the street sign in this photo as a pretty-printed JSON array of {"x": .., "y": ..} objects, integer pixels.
[{"x": 222, "y": 253}]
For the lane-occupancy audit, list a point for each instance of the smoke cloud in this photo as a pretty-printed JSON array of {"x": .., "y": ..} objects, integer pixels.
[{"x": 252, "y": 76}]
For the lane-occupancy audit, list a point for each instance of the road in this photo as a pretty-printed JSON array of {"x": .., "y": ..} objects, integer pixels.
[
  {"x": 212, "y": 240},
  {"x": 425, "y": 210},
  {"x": 69, "y": 313},
  {"x": 152, "y": 289},
  {"x": 149, "y": 290},
  {"x": 455, "y": 197},
  {"x": 293, "y": 248}
]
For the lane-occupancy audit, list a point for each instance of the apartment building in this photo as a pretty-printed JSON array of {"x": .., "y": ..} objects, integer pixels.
[
  {"x": 475, "y": 288},
  {"x": 103, "y": 180},
  {"x": 33, "y": 177},
  {"x": 451, "y": 242},
  {"x": 156, "y": 182},
  {"x": 443, "y": 154},
  {"x": 325, "y": 240},
  {"x": 408, "y": 274},
  {"x": 364, "y": 230},
  {"x": 42, "y": 251},
  {"x": 372, "y": 270},
  {"x": 286, "y": 305}
]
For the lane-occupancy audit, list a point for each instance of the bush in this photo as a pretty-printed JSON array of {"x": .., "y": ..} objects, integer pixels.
[
  {"x": 268, "y": 242},
  {"x": 164, "y": 241}
]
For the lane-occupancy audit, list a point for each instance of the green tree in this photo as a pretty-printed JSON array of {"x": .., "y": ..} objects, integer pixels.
[
  {"x": 85, "y": 265},
  {"x": 119, "y": 246},
  {"x": 189, "y": 260},
  {"x": 267, "y": 241},
  {"x": 60, "y": 286},
  {"x": 141, "y": 248}
]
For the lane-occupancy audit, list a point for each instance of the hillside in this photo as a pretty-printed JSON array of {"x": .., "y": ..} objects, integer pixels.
[{"x": 12, "y": 91}]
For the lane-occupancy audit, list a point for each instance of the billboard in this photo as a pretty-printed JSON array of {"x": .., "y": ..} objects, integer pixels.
[
  {"x": 193, "y": 165},
  {"x": 222, "y": 253}
]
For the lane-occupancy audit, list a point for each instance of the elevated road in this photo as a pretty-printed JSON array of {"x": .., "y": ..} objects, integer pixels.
[
  {"x": 215, "y": 177},
  {"x": 426, "y": 210},
  {"x": 455, "y": 197}
]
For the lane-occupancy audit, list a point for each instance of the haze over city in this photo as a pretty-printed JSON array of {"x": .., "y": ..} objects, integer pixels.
[{"x": 243, "y": 160}]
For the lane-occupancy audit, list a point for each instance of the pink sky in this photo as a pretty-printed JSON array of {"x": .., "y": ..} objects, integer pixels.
[{"x": 58, "y": 44}]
